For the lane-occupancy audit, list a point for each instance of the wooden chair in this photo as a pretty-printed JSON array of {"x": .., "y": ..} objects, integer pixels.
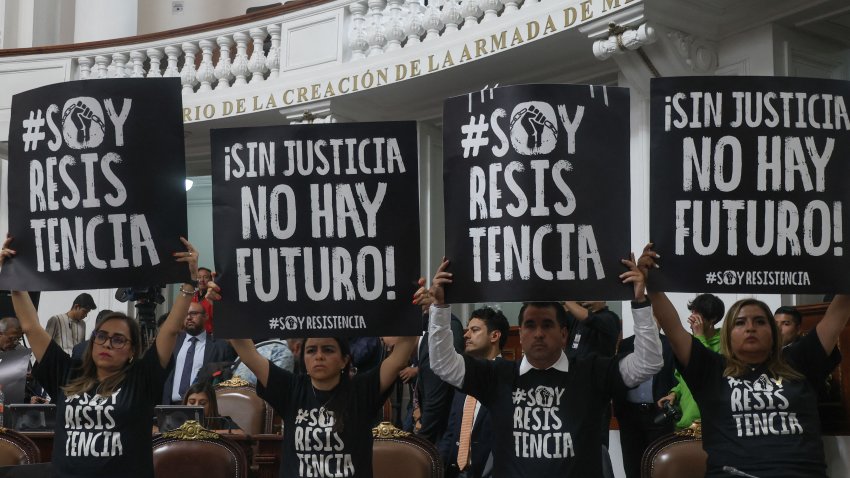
[
  {"x": 238, "y": 399},
  {"x": 676, "y": 455},
  {"x": 397, "y": 453},
  {"x": 192, "y": 451},
  {"x": 17, "y": 449}
]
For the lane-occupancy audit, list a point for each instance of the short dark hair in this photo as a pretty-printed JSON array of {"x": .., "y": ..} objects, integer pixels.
[
  {"x": 100, "y": 316},
  {"x": 560, "y": 312},
  {"x": 494, "y": 320},
  {"x": 85, "y": 301},
  {"x": 792, "y": 311},
  {"x": 205, "y": 269},
  {"x": 709, "y": 306}
]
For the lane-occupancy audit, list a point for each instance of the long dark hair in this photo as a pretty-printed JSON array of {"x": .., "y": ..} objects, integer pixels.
[
  {"x": 205, "y": 387},
  {"x": 87, "y": 379},
  {"x": 339, "y": 398}
]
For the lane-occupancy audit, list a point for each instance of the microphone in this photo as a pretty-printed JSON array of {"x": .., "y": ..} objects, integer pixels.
[{"x": 736, "y": 472}]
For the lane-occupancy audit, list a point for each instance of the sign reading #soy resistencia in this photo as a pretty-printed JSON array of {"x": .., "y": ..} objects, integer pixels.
[
  {"x": 537, "y": 192},
  {"x": 748, "y": 184},
  {"x": 316, "y": 230},
  {"x": 96, "y": 191}
]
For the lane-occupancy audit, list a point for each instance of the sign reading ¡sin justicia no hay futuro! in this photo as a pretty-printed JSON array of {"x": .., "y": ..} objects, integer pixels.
[
  {"x": 748, "y": 184},
  {"x": 96, "y": 163},
  {"x": 317, "y": 229}
]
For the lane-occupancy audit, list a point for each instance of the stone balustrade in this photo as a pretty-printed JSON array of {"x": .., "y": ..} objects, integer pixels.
[{"x": 252, "y": 54}]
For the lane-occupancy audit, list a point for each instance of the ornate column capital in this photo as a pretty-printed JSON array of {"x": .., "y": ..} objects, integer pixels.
[{"x": 644, "y": 49}]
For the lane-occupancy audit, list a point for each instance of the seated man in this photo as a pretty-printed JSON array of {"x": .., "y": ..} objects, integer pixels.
[{"x": 545, "y": 411}]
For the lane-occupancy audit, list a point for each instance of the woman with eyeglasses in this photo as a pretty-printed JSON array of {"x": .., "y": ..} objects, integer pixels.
[{"x": 105, "y": 402}]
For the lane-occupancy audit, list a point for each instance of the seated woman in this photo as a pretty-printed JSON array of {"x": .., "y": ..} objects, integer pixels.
[
  {"x": 103, "y": 425},
  {"x": 327, "y": 416},
  {"x": 202, "y": 394},
  {"x": 758, "y": 399}
]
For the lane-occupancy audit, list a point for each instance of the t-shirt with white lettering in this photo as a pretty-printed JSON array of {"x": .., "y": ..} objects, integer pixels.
[
  {"x": 758, "y": 424},
  {"x": 311, "y": 447},
  {"x": 103, "y": 436},
  {"x": 545, "y": 422}
]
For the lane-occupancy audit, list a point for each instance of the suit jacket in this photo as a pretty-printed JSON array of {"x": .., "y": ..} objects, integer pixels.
[
  {"x": 214, "y": 351},
  {"x": 435, "y": 395},
  {"x": 662, "y": 382},
  {"x": 480, "y": 445}
]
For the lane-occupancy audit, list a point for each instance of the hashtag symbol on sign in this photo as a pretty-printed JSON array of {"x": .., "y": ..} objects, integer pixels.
[
  {"x": 274, "y": 323},
  {"x": 475, "y": 138},
  {"x": 33, "y": 133},
  {"x": 711, "y": 278}
]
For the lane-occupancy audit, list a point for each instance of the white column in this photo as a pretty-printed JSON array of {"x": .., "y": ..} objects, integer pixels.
[{"x": 105, "y": 19}]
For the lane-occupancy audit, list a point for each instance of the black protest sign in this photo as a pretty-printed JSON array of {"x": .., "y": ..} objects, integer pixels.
[
  {"x": 96, "y": 196},
  {"x": 748, "y": 184},
  {"x": 537, "y": 193},
  {"x": 316, "y": 230}
]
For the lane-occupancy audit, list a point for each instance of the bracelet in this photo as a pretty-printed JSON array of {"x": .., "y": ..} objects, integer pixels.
[{"x": 187, "y": 293}]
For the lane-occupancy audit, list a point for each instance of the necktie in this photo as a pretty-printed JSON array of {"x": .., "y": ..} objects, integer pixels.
[
  {"x": 465, "y": 432},
  {"x": 186, "y": 377}
]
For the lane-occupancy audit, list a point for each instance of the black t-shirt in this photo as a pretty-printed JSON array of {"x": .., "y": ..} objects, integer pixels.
[
  {"x": 103, "y": 436},
  {"x": 763, "y": 426},
  {"x": 310, "y": 445},
  {"x": 545, "y": 422}
]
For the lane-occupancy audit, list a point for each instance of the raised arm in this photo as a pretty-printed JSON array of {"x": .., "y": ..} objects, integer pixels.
[
  {"x": 396, "y": 361},
  {"x": 647, "y": 358},
  {"x": 167, "y": 335},
  {"x": 833, "y": 321},
  {"x": 28, "y": 316},
  {"x": 446, "y": 363},
  {"x": 25, "y": 310},
  {"x": 665, "y": 312},
  {"x": 252, "y": 359}
]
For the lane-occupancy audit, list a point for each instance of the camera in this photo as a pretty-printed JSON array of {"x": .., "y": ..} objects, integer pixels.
[
  {"x": 669, "y": 412},
  {"x": 146, "y": 294}
]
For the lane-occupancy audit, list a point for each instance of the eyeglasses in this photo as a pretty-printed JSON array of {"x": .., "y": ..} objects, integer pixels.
[
  {"x": 195, "y": 313},
  {"x": 116, "y": 341}
]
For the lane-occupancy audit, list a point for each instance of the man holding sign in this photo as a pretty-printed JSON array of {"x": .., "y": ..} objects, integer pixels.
[{"x": 545, "y": 410}]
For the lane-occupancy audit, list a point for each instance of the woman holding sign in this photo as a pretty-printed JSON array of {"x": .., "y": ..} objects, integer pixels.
[
  {"x": 327, "y": 415},
  {"x": 105, "y": 403},
  {"x": 758, "y": 400}
]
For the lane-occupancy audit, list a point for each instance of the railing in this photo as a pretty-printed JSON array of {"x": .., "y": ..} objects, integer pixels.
[{"x": 238, "y": 54}]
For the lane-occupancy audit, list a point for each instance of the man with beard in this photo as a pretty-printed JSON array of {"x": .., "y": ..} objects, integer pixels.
[{"x": 193, "y": 350}]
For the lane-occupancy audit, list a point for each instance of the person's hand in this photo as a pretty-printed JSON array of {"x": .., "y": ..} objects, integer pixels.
[
  {"x": 213, "y": 290},
  {"x": 441, "y": 279},
  {"x": 697, "y": 324},
  {"x": 190, "y": 257},
  {"x": 35, "y": 399},
  {"x": 648, "y": 259},
  {"x": 408, "y": 374},
  {"x": 635, "y": 276},
  {"x": 667, "y": 398},
  {"x": 422, "y": 297},
  {"x": 5, "y": 251}
]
